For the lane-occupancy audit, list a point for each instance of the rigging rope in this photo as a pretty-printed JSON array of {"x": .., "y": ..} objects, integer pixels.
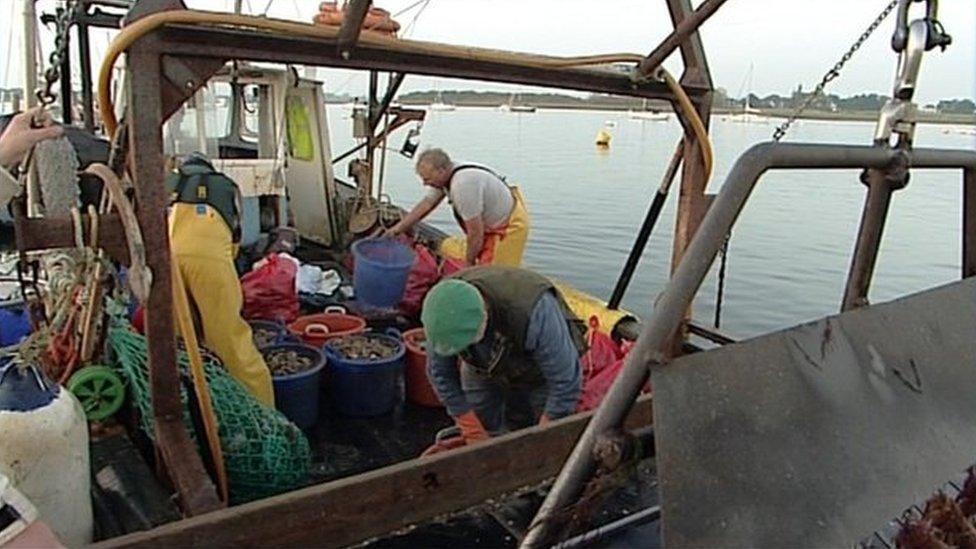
[{"x": 413, "y": 22}]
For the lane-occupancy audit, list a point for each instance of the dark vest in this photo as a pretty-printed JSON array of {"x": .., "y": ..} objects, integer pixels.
[
  {"x": 510, "y": 295},
  {"x": 458, "y": 168},
  {"x": 198, "y": 183}
]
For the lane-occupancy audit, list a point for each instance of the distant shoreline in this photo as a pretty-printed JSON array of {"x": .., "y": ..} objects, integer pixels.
[{"x": 851, "y": 116}]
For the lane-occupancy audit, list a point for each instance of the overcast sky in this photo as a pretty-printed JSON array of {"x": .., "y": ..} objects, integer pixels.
[{"x": 788, "y": 42}]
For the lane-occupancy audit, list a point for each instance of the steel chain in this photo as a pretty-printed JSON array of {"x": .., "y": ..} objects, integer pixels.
[
  {"x": 834, "y": 71},
  {"x": 69, "y": 13}
]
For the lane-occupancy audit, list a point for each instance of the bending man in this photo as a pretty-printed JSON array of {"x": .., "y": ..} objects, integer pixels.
[
  {"x": 204, "y": 229},
  {"x": 491, "y": 214},
  {"x": 518, "y": 344}
]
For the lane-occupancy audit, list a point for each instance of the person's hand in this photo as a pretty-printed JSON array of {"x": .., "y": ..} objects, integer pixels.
[
  {"x": 471, "y": 428},
  {"x": 21, "y": 134},
  {"x": 385, "y": 232}
]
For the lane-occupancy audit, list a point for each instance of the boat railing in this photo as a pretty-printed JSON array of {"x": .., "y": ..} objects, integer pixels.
[{"x": 881, "y": 163}]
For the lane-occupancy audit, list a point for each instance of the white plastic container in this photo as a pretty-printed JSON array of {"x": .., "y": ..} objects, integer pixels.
[{"x": 44, "y": 452}]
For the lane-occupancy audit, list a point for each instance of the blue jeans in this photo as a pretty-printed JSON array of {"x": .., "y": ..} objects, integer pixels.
[{"x": 502, "y": 406}]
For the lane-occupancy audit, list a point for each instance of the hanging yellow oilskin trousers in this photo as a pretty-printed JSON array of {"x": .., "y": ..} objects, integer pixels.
[
  {"x": 503, "y": 245},
  {"x": 203, "y": 249}
]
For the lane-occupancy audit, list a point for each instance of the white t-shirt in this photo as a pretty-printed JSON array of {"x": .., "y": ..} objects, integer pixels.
[{"x": 476, "y": 192}]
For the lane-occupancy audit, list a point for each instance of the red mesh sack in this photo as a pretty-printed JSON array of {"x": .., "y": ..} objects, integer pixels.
[
  {"x": 601, "y": 364},
  {"x": 423, "y": 275},
  {"x": 451, "y": 265},
  {"x": 269, "y": 290}
]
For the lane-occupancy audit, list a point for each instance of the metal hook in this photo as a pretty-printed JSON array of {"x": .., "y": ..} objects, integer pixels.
[
  {"x": 911, "y": 41},
  {"x": 936, "y": 34}
]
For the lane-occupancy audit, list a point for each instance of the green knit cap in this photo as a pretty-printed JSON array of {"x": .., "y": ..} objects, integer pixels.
[{"x": 452, "y": 315}]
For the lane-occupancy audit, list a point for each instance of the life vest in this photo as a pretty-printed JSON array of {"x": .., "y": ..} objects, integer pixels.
[
  {"x": 197, "y": 182},
  {"x": 511, "y": 295}
]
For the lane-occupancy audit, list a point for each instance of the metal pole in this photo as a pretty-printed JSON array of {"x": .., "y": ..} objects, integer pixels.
[
  {"x": 178, "y": 452},
  {"x": 669, "y": 311},
  {"x": 678, "y": 35},
  {"x": 650, "y": 220},
  {"x": 969, "y": 223},
  {"x": 391, "y": 88},
  {"x": 30, "y": 54},
  {"x": 84, "y": 59},
  {"x": 374, "y": 85},
  {"x": 873, "y": 217},
  {"x": 589, "y": 538}
]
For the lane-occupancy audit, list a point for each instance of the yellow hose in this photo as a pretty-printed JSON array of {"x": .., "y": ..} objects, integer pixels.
[
  {"x": 697, "y": 125},
  {"x": 140, "y": 28},
  {"x": 211, "y": 428}
]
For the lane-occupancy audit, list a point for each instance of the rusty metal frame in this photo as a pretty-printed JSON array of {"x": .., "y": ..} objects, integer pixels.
[
  {"x": 229, "y": 43},
  {"x": 178, "y": 452},
  {"x": 692, "y": 201},
  {"x": 684, "y": 29},
  {"x": 171, "y": 63}
]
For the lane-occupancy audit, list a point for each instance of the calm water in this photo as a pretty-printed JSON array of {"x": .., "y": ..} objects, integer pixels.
[{"x": 789, "y": 251}]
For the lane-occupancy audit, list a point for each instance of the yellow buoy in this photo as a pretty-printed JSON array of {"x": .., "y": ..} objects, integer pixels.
[{"x": 603, "y": 138}]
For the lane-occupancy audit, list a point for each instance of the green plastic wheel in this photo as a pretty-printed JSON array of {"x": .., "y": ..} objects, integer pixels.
[{"x": 99, "y": 389}]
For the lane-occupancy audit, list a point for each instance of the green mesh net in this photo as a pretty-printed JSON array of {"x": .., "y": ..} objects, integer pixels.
[{"x": 264, "y": 453}]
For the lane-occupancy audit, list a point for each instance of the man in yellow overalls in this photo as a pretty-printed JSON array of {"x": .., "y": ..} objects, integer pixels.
[
  {"x": 204, "y": 229},
  {"x": 491, "y": 213}
]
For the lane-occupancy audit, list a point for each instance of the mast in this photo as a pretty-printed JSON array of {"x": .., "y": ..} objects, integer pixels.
[{"x": 749, "y": 89}]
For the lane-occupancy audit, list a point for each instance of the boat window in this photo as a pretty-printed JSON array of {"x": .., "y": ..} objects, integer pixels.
[
  {"x": 251, "y": 107},
  {"x": 225, "y": 120},
  {"x": 192, "y": 127}
]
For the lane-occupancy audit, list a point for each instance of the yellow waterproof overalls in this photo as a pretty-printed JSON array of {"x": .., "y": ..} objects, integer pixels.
[
  {"x": 203, "y": 247},
  {"x": 504, "y": 244}
]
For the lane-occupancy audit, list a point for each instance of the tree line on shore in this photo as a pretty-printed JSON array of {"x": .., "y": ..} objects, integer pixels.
[{"x": 865, "y": 102}]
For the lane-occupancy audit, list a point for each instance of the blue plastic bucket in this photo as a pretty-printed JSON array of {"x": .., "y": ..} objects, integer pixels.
[
  {"x": 365, "y": 387},
  {"x": 297, "y": 395},
  {"x": 381, "y": 270}
]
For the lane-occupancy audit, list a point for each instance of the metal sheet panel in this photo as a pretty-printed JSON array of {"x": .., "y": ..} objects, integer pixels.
[{"x": 820, "y": 434}]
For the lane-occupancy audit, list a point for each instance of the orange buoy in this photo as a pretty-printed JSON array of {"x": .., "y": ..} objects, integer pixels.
[{"x": 377, "y": 19}]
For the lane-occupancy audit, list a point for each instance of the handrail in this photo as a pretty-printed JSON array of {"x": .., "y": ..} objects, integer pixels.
[{"x": 669, "y": 310}]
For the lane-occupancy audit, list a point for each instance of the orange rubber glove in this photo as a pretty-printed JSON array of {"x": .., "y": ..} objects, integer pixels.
[
  {"x": 443, "y": 446},
  {"x": 471, "y": 428}
]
